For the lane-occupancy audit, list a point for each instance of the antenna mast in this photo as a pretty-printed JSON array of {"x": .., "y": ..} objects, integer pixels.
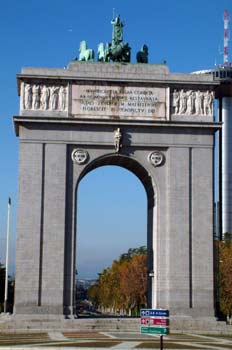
[{"x": 226, "y": 37}]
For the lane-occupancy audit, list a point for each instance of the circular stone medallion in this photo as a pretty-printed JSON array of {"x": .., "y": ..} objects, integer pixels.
[
  {"x": 156, "y": 158},
  {"x": 80, "y": 156}
]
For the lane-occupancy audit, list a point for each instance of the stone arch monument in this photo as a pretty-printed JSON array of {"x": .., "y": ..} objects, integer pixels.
[{"x": 157, "y": 124}]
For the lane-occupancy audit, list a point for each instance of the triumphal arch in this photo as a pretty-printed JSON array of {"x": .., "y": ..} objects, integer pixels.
[{"x": 157, "y": 124}]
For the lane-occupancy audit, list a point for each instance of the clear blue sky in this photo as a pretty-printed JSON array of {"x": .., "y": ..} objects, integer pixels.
[{"x": 46, "y": 33}]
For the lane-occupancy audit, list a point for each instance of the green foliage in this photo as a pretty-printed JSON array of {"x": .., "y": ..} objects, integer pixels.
[
  {"x": 225, "y": 277},
  {"x": 228, "y": 237},
  {"x": 134, "y": 251}
]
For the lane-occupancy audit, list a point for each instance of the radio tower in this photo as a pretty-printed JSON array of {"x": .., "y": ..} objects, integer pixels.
[{"x": 226, "y": 37}]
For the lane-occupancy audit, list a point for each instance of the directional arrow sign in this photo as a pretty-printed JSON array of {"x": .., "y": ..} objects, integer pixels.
[
  {"x": 154, "y": 330},
  {"x": 145, "y": 321},
  {"x": 159, "y": 322},
  {"x": 154, "y": 312}
]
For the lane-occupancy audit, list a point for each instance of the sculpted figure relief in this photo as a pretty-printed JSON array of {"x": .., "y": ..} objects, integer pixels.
[
  {"x": 183, "y": 102},
  {"x": 176, "y": 101},
  {"x": 35, "y": 97},
  {"x": 192, "y": 102},
  {"x": 54, "y": 97},
  {"x": 199, "y": 103},
  {"x": 27, "y": 96},
  {"x": 117, "y": 139},
  {"x": 62, "y": 99},
  {"x": 211, "y": 102},
  {"x": 43, "y": 97},
  {"x": 208, "y": 103}
]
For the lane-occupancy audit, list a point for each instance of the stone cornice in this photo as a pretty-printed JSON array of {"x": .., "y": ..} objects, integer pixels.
[{"x": 19, "y": 120}]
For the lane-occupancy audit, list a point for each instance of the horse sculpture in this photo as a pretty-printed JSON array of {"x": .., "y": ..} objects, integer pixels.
[
  {"x": 85, "y": 53},
  {"x": 103, "y": 53},
  {"x": 142, "y": 56}
]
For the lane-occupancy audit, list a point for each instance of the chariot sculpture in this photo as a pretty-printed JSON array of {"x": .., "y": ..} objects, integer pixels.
[{"x": 115, "y": 51}]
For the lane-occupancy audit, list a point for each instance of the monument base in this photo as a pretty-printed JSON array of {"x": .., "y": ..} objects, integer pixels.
[{"x": 178, "y": 324}]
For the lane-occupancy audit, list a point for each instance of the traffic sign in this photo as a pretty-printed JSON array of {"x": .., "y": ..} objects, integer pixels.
[
  {"x": 164, "y": 322},
  {"x": 145, "y": 321},
  {"x": 154, "y": 321},
  {"x": 154, "y": 330},
  {"x": 154, "y": 312}
]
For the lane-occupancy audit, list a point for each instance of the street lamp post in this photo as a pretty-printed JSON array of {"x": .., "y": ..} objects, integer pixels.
[{"x": 7, "y": 256}]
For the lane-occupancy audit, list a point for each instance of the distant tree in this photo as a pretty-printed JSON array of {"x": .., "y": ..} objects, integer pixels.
[
  {"x": 133, "y": 283},
  {"x": 122, "y": 287},
  {"x": 225, "y": 278},
  {"x": 227, "y": 237},
  {"x": 133, "y": 251},
  {"x": 93, "y": 294}
]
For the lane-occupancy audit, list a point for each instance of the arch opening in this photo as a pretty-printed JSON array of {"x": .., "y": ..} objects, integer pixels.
[{"x": 113, "y": 198}]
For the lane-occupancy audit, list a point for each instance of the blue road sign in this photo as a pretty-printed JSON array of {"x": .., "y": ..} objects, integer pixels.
[{"x": 154, "y": 312}]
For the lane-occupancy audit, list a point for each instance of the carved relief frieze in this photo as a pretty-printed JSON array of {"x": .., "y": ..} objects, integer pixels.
[
  {"x": 44, "y": 97},
  {"x": 192, "y": 102}
]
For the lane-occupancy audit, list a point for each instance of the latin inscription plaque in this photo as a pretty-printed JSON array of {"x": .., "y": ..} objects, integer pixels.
[{"x": 119, "y": 101}]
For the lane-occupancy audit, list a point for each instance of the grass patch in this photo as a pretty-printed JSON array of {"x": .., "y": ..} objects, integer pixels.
[
  {"x": 79, "y": 335},
  {"x": 42, "y": 335},
  {"x": 220, "y": 336},
  {"x": 220, "y": 345},
  {"x": 147, "y": 345},
  {"x": 84, "y": 334},
  {"x": 96, "y": 344},
  {"x": 184, "y": 336},
  {"x": 16, "y": 342}
]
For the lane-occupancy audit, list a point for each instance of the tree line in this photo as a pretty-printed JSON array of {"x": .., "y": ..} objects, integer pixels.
[
  {"x": 223, "y": 276},
  {"x": 121, "y": 288}
]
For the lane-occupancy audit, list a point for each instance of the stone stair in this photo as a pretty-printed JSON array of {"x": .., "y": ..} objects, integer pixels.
[{"x": 177, "y": 325}]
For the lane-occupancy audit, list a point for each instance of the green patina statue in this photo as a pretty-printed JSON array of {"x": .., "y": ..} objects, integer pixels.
[
  {"x": 117, "y": 35},
  {"x": 85, "y": 54},
  {"x": 142, "y": 56},
  {"x": 116, "y": 51}
]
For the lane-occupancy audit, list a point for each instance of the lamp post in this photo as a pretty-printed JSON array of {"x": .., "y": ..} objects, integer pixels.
[{"x": 7, "y": 256}]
